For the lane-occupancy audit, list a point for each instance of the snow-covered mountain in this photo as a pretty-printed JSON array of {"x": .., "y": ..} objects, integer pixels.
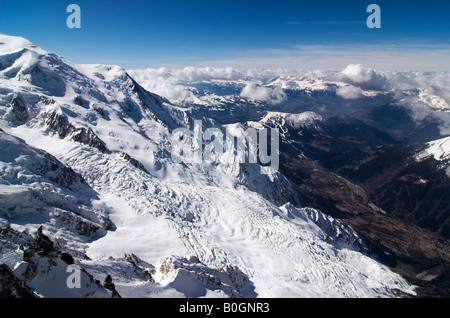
[
  {"x": 88, "y": 180},
  {"x": 440, "y": 151},
  {"x": 297, "y": 121}
]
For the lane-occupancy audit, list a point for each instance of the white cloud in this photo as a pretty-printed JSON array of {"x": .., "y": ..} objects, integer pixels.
[
  {"x": 365, "y": 78},
  {"x": 349, "y": 92},
  {"x": 425, "y": 94},
  {"x": 261, "y": 93},
  {"x": 174, "y": 84},
  {"x": 431, "y": 83},
  {"x": 162, "y": 82}
]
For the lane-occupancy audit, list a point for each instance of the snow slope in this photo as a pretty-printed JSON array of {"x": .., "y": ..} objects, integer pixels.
[
  {"x": 165, "y": 229},
  {"x": 297, "y": 121},
  {"x": 440, "y": 151}
]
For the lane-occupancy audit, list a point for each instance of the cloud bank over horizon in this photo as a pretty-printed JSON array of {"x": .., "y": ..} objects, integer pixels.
[
  {"x": 406, "y": 57},
  {"x": 426, "y": 95}
]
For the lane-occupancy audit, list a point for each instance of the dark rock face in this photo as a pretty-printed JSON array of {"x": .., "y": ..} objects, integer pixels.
[
  {"x": 141, "y": 268},
  {"x": 135, "y": 163},
  {"x": 41, "y": 257},
  {"x": 58, "y": 173},
  {"x": 39, "y": 247},
  {"x": 19, "y": 109},
  {"x": 68, "y": 259},
  {"x": 80, "y": 101},
  {"x": 59, "y": 124},
  {"x": 109, "y": 285},
  {"x": 11, "y": 286},
  {"x": 42, "y": 243}
]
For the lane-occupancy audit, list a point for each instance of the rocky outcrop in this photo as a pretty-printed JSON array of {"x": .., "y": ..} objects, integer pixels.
[
  {"x": 142, "y": 269},
  {"x": 193, "y": 278},
  {"x": 19, "y": 109},
  {"x": 59, "y": 124},
  {"x": 132, "y": 161},
  {"x": 42, "y": 260},
  {"x": 109, "y": 285},
  {"x": 81, "y": 225},
  {"x": 42, "y": 243},
  {"x": 11, "y": 286},
  {"x": 80, "y": 101}
]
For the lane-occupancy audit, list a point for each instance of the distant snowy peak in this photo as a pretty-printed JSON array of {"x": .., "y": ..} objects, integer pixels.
[
  {"x": 440, "y": 151},
  {"x": 295, "y": 120},
  {"x": 433, "y": 101},
  {"x": 299, "y": 83}
]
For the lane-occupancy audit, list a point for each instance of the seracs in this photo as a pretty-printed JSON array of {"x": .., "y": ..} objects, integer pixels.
[{"x": 238, "y": 146}]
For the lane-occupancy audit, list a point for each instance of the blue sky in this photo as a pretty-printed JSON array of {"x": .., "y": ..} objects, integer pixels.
[{"x": 415, "y": 35}]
